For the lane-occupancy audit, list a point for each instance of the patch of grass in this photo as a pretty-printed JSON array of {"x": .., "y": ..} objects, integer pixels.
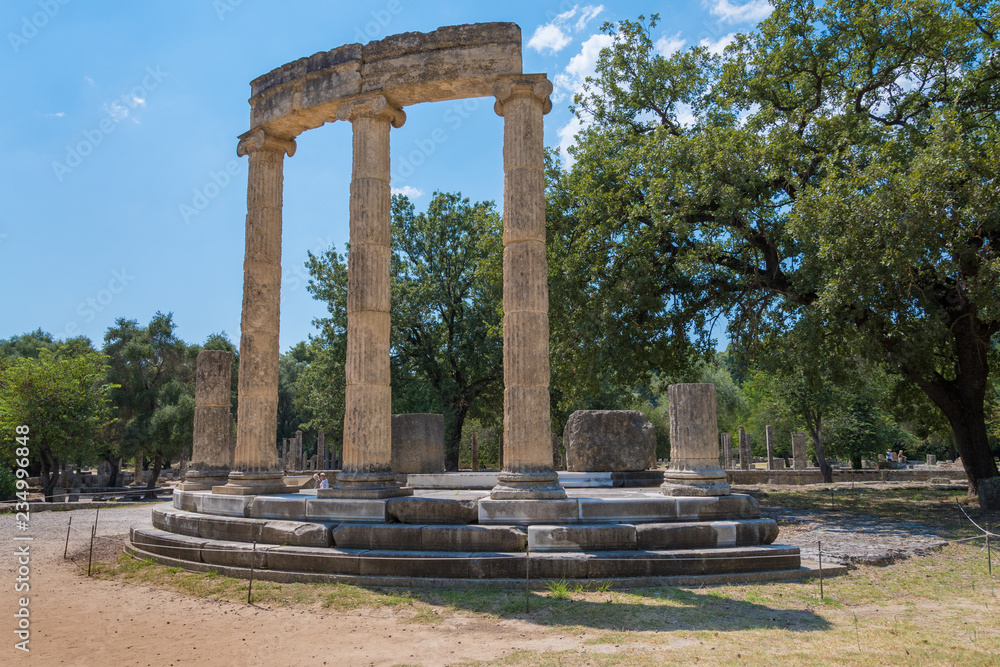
[{"x": 559, "y": 590}]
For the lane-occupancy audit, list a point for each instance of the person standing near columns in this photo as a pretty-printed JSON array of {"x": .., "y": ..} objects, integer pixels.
[
  {"x": 367, "y": 472},
  {"x": 256, "y": 458},
  {"x": 527, "y": 472}
]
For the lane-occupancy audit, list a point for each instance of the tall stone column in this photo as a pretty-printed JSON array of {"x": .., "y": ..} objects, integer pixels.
[
  {"x": 768, "y": 438},
  {"x": 256, "y": 457},
  {"x": 727, "y": 451},
  {"x": 367, "y": 470},
  {"x": 211, "y": 453},
  {"x": 527, "y": 472},
  {"x": 746, "y": 454},
  {"x": 799, "y": 453},
  {"x": 694, "y": 460}
]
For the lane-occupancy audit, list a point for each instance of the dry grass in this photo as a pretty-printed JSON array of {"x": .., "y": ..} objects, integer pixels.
[{"x": 937, "y": 609}]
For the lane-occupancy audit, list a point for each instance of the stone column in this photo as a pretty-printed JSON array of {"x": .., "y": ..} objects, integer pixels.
[
  {"x": 211, "y": 456},
  {"x": 321, "y": 453},
  {"x": 256, "y": 457},
  {"x": 527, "y": 471},
  {"x": 299, "y": 453},
  {"x": 284, "y": 453},
  {"x": 727, "y": 451},
  {"x": 137, "y": 477},
  {"x": 694, "y": 461},
  {"x": 367, "y": 471},
  {"x": 801, "y": 458},
  {"x": 745, "y": 451},
  {"x": 768, "y": 437}
]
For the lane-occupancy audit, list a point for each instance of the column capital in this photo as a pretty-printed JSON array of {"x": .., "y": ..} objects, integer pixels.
[
  {"x": 505, "y": 91},
  {"x": 258, "y": 139},
  {"x": 372, "y": 106}
]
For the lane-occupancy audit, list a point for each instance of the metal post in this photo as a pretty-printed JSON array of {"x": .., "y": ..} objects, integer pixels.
[
  {"x": 989, "y": 555},
  {"x": 253, "y": 558},
  {"x": 68, "y": 527},
  {"x": 527, "y": 570},
  {"x": 93, "y": 533},
  {"x": 819, "y": 547}
]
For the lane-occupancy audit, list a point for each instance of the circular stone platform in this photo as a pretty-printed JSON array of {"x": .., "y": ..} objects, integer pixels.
[{"x": 454, "y": 537}]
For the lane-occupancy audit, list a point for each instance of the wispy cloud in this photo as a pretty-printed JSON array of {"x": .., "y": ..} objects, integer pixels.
[
  {"x": 668, "y": 45},
  {"x": 754, "y": 10},
  {"x": 89, "y": 81},
  {"x": 57, "y": 114},
  {"x": 554, "y": 35},
  {"x": 408, "y": 191},
  {"x": 719, "y": 45},
  {"x": 571, "y": 81}
]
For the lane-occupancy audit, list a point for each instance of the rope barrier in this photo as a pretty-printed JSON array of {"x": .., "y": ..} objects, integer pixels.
[{"x": 127, "y": 492}]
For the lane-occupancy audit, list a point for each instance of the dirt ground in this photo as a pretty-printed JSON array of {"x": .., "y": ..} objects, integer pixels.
[{"x": 81, "y": 621}]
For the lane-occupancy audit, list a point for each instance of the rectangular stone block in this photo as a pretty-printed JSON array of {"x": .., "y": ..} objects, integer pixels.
[
  {"x": 523, "y": 512},
  {"x": 295, "y": 533},
  {"x": 682, "y": 535},
  {"x": 618, "y": 564},
  {"x": 310, "y": 559},
  {"x": 277, "y": 507},
  {"x": 559, "y": 566},
  {"x": 345, "y": 510},
  {"x": 473, "y": 538},
  {"x": 418, "y": 443},
  {"x": 677, "y": 563},
  {"x": 650, "y": 509},
  {"x": 376, "y": 536},
  {"x": 224, "y": 505},
  {"x": 167, "y": 544},
  {"x": 526, "y": 349},
  {"x": 235, "y": 555},
  {"x": 735, "y": 506},
  {"x": 581, "y": 537},
  {"x": 187, "y": 501},
  {"x": 418, "y": 564},
  {"x": 232, "y": 529},
  {"x": 489, "y": 565}
]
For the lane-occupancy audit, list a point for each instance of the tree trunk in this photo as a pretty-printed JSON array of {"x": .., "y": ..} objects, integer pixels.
[
  {"x": 154, "y": 474},
  {"x": 50, "y": 473},
  {"x": 814, "y": 422},
  {"x": 114, "y": 464},
  {"x": 453, "y": 436},
  {"x": 856, "y": 462},
  {"x": 962, "y": 401}
]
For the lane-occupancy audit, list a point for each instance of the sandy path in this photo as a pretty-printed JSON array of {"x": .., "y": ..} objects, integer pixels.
[{"x": 80, "y": 621}]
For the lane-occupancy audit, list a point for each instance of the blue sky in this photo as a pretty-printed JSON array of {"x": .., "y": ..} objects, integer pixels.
[{"x": 122, "y": 191}]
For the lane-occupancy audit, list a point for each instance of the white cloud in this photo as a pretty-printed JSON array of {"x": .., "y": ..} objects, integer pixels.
[
  {"x": 553, "y": 35},
  {"x": 58, "y": 114},
  {"x": 754, "y": 10},
  {"x": 719, "y": 45},
  {"x": 668, "y": 45},
  {"x": 549, "y": 36},
  {"x": 567, "y": 137},
  {"x": 583, "y": 64},
  {"x": 408, "y": 191},
  {"x": 89, "y": 81}
]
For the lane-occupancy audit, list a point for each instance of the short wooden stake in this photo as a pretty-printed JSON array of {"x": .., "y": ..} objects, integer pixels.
[
  {"x": 819, "y": 548},
  {"x": 68, "y": 528},
  {"x": 253, "y": 559},
  {"x": 527, "y": 570}
]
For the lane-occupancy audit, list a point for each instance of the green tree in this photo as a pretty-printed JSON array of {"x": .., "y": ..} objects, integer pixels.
[
  {"x": 153, "y": 372},
  {"x": 63, "y": 399},
  {"x": 838, "y": 168},
  {"x": 446, "y": 335}
]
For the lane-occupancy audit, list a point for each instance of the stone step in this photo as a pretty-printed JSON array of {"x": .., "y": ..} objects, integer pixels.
[{"x": 463, "y": 564}]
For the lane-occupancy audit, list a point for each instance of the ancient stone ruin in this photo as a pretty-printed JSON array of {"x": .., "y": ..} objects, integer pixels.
[{"x": 367, "y": 527}]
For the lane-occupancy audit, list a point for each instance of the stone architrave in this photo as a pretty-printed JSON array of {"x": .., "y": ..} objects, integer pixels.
[
  {"x": 799, "y": 454},
  {"x": 367, "y": 471},
  {"x": 211, "y": 451},
  {"x": 417, "y": 443},
  {"x": 745, "y": 452},
  {"x": 528, "y": 472},
  {"x": 609, "y": 441},
  {"x": 694, "y": 461},
  {"x": 727, "y": 451},
  {"x": 256, "y": 458},
  {"x": 768, "y": 437}
]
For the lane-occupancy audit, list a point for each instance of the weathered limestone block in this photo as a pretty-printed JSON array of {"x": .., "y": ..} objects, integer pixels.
[
  {"x": 421, "y": 510},
  {"x": 799, "y": 452},
  {"x": 609, "y": 441},
  {"x": 989, "y": 493},
  {"x": 694, "y": 462},
  {"x": 417, "y": 443}
]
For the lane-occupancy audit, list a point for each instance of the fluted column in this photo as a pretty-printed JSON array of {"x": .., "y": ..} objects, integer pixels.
[
  {"x": 528, "y": 471},
  {"x": 211, "y": 452},
  {"x": 694, "y": 457},
  {"x": 367, "y": 472},
  {"x": 256, "y": 458}
]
